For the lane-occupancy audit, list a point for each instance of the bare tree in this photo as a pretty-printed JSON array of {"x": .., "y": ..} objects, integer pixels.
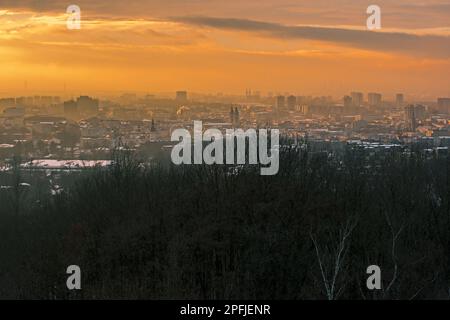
[
  {"x": 395, "y": 235},
  {"x": 330, "y": 274}
]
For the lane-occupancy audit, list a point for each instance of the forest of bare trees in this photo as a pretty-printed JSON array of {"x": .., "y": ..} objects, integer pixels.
[{"x": 208, "y": 232}]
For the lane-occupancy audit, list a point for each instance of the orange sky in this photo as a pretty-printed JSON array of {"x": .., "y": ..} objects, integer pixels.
[{"x": 303, "y": 47}]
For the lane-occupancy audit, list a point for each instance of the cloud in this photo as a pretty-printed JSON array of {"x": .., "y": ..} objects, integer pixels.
[{"x": 437, "y": 46}]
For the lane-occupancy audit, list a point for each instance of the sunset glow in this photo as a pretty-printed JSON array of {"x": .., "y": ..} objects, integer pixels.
[{"x": 203, "y": 47}]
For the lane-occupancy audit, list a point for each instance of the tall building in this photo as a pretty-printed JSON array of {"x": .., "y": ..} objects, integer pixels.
[
  {"x": 420, "y": 112},
  {"x": 280, "y": 102},
  {"x": 291, "y": 102},
  {"x": 399, "y": 99},
  {"x": 410, "y": 117},
  {"x": 87, "y": 106},
  {"x": 234, "y": 117},
  {"x": 181, "y": 96},
  {"x": 357, "y": 99},
  {"x": 374, "y": 99},
  {"x": 237, "y": 120},
  {"x": 347, "y": 102},
  {"x": 443, "y": 105},
  {"x": 153, "y": 127},
  {"x": 70, "y": 109}
]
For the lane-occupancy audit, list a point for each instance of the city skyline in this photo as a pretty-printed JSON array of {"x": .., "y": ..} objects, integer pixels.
[{"x": 209, "y": 47}]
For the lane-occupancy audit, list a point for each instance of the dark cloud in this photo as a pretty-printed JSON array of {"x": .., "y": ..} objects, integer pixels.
[
  {"x": 399, "y": 13},
  {"x": 115, "y": 7},
  {"x": 283, "y": 15},
  {"x": 421, "y": 45},
  {"x": 35, "y": 5}
]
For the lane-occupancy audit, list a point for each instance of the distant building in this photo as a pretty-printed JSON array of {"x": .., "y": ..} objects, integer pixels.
[
  {"x": 29, "y": 101},
  {"x": 410, "y": 118},
  {"x": 7, "y": 102},
  {"x": 304, "y": 108},
  {"x": 374, "y": 99},
  {"x": 84, "y": 106},
  {"x": 21, "y": 101},
  {"x": 399, "y": 99},
  {"x": 14, "y": 112},
  {"x": 231, "y": 115},
  {"x": 234, "y": 117},
  {"x": 291, "y": 102},
  {"x": 252, "y": 96},
  {"x": 46, "y": 101},
  {"x": 87, "y": 106},
  {"x": 357, "y": 99},
  {"x": 280, "y": 102},
  {"x": 420, "y": 112},
  {"x": 37, "y": 100},
  {"x": 70, "y": 109},
  {"x": 181, "y": 96},
  {"x": 347, "y": 102},
  {"x": 443, "y": 105}
]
